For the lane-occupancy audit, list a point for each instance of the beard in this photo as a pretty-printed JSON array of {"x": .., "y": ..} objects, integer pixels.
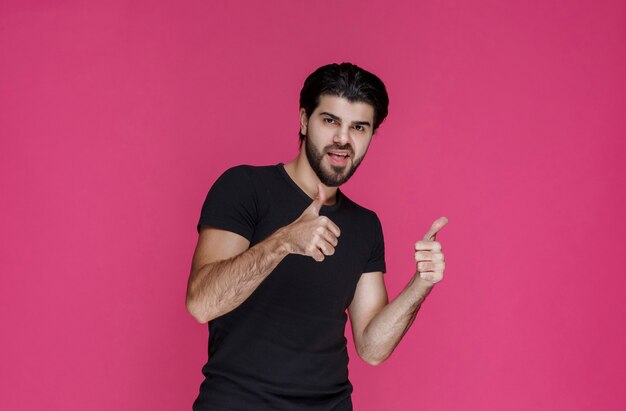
[{"x": 337, "y": 175}]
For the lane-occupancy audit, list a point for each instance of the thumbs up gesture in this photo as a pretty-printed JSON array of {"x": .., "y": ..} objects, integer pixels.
[
  {"x": 312, "y": 234},
  {"x": 428, "y": 256}
]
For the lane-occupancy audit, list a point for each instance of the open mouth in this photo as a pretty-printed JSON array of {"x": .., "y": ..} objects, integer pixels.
[{"x": 338, "y": 157}]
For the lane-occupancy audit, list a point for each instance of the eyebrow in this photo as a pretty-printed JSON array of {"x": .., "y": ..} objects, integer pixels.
[{"x": 334, "y": 117}]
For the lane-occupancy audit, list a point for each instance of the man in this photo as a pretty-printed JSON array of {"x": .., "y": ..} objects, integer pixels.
[{"x": 282, "y": 254}]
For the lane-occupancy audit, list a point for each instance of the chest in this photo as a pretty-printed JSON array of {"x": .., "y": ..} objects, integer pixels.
[{"x": 301, "y": 283}]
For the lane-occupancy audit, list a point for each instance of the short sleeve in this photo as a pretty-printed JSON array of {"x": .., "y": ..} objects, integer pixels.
[
  {"x": 377, "y": 254},
  {"x": 231, "y": 203}
]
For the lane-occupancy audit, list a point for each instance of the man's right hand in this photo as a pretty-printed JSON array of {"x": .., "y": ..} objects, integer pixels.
[{"x": 312, "y": 234}]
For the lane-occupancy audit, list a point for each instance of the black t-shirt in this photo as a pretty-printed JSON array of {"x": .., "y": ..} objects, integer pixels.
[{"x": 284, "y": 347}]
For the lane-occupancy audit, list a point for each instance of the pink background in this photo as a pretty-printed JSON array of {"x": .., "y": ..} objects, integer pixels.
[{"x": 117, "y": 116}]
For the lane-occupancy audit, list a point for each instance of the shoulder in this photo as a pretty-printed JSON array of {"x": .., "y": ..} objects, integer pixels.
[
  {"x": 245, "y": 175},
  {"x": 249, "y": 172},
  {"x": 233, "y": 202}
]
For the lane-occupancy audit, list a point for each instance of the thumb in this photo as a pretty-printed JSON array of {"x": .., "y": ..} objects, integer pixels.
[
  {"x": 319, "y": 201},
  {"x": 434, "y": 229}
]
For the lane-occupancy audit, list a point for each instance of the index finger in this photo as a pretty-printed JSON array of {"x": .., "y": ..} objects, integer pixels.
[{"x": 434, "y": 229}]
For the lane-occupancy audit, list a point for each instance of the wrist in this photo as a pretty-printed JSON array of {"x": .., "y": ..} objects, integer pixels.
[
  {"x": 280, "y": 242},
  {"x": 420, "y": 282}
]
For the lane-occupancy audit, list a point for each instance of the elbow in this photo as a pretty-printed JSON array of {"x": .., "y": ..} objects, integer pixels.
[
  {"x": 200, "y": 319},
  {"x": 372, "y": 358},
  {"x": 200, "y": 315},
  {"x": 374, "y": 361}
]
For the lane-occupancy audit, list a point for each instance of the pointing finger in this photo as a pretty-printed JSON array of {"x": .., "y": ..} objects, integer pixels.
[{"x": 434, "y": 229}]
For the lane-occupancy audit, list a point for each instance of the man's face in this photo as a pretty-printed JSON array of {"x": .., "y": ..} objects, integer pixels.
[{"x": 337, "y": 136}]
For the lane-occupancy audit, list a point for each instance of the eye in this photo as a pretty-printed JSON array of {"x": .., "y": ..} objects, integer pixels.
[
  {"x": 329, "y": 120},
  {"x": 359, "y": 127}
]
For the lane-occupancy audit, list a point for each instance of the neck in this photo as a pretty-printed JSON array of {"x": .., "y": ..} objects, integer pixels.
[{"x": 303, "y": 175}]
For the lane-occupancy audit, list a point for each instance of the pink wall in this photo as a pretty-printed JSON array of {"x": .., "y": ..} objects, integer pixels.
[{"x": 116, "y": 117}]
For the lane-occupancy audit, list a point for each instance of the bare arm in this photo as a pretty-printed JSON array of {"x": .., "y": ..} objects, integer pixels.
[
  {"x": 225, "y": 271},
  {"x": 378, "y": 326}
]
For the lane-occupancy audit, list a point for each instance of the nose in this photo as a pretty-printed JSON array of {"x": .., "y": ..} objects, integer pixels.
[{"x": 341, "y": 135}]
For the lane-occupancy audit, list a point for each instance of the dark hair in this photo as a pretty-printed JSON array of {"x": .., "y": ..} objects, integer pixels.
[{"x": 345, "y": 80}]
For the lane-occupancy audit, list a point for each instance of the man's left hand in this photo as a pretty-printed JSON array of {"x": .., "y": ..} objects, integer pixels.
[{"x": 428, "y": 256}]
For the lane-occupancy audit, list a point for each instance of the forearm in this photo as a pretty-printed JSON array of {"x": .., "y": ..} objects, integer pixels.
[
  {"x": 386, "y": 329},
  {"x": 219, "y": 287}
]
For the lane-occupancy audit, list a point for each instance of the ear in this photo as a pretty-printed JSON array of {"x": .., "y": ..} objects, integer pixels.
[{"x": 304, "y": 121}]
